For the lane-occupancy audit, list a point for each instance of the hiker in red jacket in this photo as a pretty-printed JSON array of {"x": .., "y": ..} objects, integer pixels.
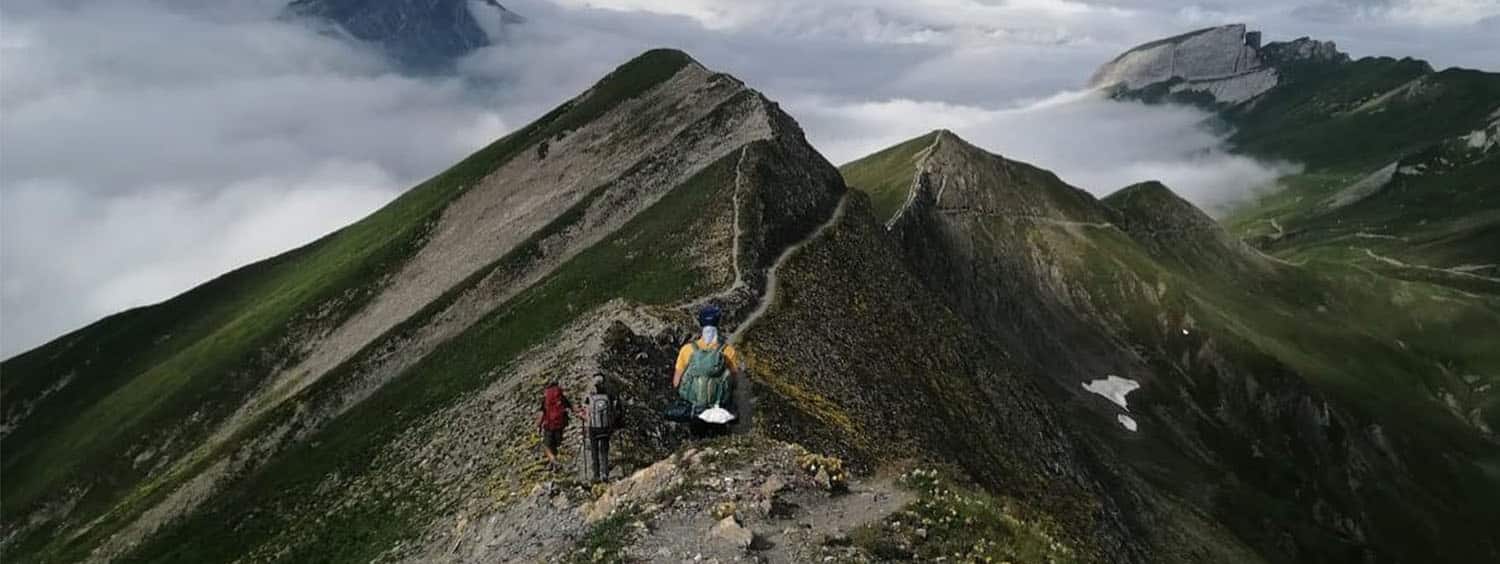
[{"x": 553, "y": 421}]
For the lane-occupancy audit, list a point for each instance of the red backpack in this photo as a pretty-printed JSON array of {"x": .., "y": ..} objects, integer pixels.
[{"x": 554, "y": 411}]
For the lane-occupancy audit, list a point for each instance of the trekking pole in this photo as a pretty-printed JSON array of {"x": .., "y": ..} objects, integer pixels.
[{"x": 588, "y": 451}]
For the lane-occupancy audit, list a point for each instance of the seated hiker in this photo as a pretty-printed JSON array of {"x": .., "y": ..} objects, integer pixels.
[
  {"x": 707, "y": 368},
  {"x": 602, "y": 411},
  {"x": 553, "y": 420}
]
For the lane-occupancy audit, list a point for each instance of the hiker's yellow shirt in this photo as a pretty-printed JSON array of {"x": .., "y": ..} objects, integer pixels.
[{"x": 731, "y": 356}]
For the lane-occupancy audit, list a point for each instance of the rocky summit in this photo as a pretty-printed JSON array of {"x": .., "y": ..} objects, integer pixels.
[
  {"x": 419, "y": 34},
  {"x": 951, "y": 355},
  {"x": 1228, "y": 64}
]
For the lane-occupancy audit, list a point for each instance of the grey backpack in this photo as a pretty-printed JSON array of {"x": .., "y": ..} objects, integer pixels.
[{"x": 600, "y": 412}]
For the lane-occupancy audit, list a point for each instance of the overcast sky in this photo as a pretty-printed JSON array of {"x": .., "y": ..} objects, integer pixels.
[{"x": 149, "y": 145}]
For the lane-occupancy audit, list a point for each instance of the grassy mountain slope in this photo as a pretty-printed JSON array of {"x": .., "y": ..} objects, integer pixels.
[
  {"x": 1351, "y": 124},
  {"x": 372, "y": 396},
  {"x": 1431, "y": 215},
  {"x": 1364, "y": 113},
  {"x": 1386, "y": 295},
  {"x": 1258, "y": 405},
  {"x": 1400, "y": 177},
  {"x": 211, "y": 344},
  {"x": 245, "y": 396},
  {"x": 285, "y": 497}
]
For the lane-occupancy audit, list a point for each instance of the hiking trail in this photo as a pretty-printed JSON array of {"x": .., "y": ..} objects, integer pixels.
[
  {"x": 744, "y": 397},
  {"x": 772, "y": 279}
]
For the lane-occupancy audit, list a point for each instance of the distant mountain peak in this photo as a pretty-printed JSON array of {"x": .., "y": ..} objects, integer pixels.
[
  {"x": 1302, "y": 49},
  {"x": 1170, "y": 226},
  {"x": 954, "y": 176},
  {"x": 1228, "y": 63},
  {"x": 420, "y": 34}
]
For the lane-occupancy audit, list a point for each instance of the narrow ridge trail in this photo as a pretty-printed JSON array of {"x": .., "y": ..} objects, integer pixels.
[
  {"x": 734, "y": 246},
  {"x": 744, "y": 398},
  {"x": 773, "y": 281}
]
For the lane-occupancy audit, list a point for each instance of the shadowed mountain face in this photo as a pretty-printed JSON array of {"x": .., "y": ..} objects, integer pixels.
[
  {"x": 1254, "y": 397},
  {"x": 421, "y": 34}
]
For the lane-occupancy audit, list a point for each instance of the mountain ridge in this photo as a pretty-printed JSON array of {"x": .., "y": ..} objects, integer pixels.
[
  {"x": 1115, "y": 379},
  {"x": 544, "y": 140},
  {"x": 1159, "y": 294}
]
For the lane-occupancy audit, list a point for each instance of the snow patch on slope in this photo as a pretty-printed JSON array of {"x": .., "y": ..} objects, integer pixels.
[
  {"x": 1113, "y": 388},
  {"x": 1478, "y": 139}
]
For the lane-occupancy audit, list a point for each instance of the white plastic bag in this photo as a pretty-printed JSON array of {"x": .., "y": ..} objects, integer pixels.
[{"x": 716, "y": 415}]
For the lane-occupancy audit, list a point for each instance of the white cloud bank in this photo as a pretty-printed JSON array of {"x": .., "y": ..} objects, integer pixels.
[
  {"x": 1090, "y": 141},
  {"x": 145, "y": 149},
  {"x": 149, "y": 145}
]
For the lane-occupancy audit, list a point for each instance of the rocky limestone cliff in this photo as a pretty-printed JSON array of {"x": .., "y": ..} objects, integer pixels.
[
  {"x": 421, "y": 34},
  {"x": 1227, "y": 63},
  {"x": 1302, "y": 49},
  {"x": 1206, "y": 54}
]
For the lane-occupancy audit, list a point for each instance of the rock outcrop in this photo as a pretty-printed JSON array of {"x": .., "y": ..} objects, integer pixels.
[
  {"x": 1214, "y": 53},
  {"x": 421, "y": 34},
  {"x": 1303, "y": 49},
  {"x": 1226, "y": 63}
]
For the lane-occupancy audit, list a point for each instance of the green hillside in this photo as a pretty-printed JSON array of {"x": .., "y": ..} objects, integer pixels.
[
  {"x": 1362, "y": 114},
  {"x": 204, "y": 349},
  {"x": 1310, "y": 379},
  {"x": 880, "y": 174},
  {"x": 458, "y": 367},
  {"x": 168, "y": 374},
  {"x": 1230, "y": 347},
  {"x": 1350, "y": 124},
  {"x": 1392, "y": 182}
]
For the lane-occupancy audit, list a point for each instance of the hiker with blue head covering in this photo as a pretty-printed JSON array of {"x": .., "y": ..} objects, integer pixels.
[{"x": 706, "y": 372}]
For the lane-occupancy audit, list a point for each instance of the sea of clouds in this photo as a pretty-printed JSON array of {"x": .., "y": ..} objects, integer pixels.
[{"x": 147, "y": 146}]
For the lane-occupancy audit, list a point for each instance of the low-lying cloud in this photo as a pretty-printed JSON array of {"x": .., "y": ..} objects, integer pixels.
[
  {"x": 149, "y": 145},
  {"x": 146, "y": 148},
  {"x": 1090, "y": 141}
]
